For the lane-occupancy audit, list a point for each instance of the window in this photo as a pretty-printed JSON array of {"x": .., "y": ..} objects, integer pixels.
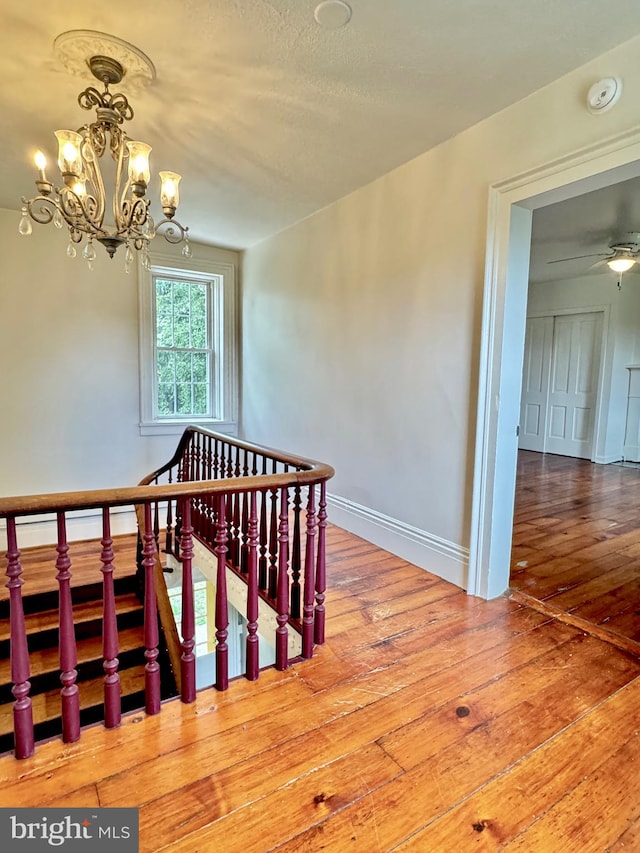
[{"x": 188, "y": 345}]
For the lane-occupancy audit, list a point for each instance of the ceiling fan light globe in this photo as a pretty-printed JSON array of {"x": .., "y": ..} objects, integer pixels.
[{"x": 621, "y": 264}]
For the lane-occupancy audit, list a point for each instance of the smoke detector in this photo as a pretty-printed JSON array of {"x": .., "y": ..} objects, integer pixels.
[
  {"x": 603, "y": 95},
  {"x": 332, "y": 14}
]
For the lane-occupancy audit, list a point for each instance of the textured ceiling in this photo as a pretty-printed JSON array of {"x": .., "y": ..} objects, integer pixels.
[{"x": 268, "y": 116}]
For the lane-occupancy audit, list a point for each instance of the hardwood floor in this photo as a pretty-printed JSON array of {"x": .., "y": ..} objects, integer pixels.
[
  {"x": 430, "y": 721},
  {"x": 576, "y": 542}
]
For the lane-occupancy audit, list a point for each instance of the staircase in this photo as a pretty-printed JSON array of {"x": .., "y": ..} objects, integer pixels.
[{"x": 40, "y": 601}]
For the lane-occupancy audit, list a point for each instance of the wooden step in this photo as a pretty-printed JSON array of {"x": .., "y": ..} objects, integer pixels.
[
  {"x": 46, "y": 706},
  {"x": 45, "y": 665},
  {"x": 42, "y": 628},
  {"x": 46, "y": 600},
  {"x": 39, "y": 572}
]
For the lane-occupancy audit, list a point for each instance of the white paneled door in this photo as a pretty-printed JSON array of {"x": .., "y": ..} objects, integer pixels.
[{"x": 560, "y": 383}]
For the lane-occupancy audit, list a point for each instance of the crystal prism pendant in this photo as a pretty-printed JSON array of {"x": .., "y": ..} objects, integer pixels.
[
  {"x": 71, "y": 250},
  {"x": 128, "y": 260},
  {"x": 57, "y": 219},
  {"x": 186, "y": 250},
  {"x": 24, "y": 227}
]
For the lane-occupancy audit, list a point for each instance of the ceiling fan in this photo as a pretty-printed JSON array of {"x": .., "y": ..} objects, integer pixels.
[{"x": 622, "y": 255}]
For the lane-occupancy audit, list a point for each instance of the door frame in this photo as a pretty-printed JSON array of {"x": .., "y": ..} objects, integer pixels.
[{"x": 511, "y": 203}]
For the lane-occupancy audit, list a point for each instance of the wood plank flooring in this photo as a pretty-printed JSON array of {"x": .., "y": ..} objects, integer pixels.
[
  {"x": 576, "y": 543},
  {"x": 430, "y": 721}
]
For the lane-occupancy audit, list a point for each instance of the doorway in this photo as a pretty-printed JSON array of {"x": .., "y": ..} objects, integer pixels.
[{"x": 502, "y": 346}]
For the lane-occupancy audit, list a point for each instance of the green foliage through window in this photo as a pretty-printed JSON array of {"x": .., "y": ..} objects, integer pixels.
[{"x": 183, "y": 348}]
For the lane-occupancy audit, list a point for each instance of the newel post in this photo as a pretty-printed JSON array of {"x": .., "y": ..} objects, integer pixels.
[{"x": 20, "y": 672}]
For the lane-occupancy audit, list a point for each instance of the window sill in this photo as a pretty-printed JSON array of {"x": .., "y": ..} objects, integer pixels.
[{"x": 178, "y": 427}]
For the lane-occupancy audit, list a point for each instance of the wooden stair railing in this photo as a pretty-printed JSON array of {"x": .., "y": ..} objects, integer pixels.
[
  {"x": 232, "y": 496},
  {"x": 251, "y": 534}
]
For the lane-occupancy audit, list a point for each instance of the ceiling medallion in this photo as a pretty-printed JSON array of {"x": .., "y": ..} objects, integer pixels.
[{"x": 82, "y": 202}]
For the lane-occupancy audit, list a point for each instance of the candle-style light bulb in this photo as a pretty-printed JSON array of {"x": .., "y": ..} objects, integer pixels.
[
  {"x": 169, "y": 194},
  {"x": 41, "y": 164},
  {"x": 69, "y": 156}
]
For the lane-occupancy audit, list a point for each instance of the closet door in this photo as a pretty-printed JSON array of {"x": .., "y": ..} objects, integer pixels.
[
  {"x": 535, "y": 382},
  {"x": 573, "y": 384},
  {"x": 560, "y": 383}
]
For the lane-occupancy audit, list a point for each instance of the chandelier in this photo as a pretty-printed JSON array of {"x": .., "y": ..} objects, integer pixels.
[{"x": 82, "y": 201}]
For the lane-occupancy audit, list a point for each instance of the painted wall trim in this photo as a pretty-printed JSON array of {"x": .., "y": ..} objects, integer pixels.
[{"x": 425, "y": 550}]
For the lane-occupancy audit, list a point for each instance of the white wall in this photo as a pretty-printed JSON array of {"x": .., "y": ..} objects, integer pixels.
[
  {"x": 70, "y": 408},
  {"x": 361, "y": 324},
  {"x": 621, "y": 333}
]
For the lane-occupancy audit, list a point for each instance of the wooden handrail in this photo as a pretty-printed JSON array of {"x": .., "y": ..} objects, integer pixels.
[
  {"x": 300, "y": 462},
  {"x": 96, "y": 498}
]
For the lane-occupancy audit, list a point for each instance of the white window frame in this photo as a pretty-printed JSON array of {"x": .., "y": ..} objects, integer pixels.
[{"x": 224, "y": 337}]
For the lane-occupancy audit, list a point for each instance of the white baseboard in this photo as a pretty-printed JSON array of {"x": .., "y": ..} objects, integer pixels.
[
  {"x": 438, "y": 556},
  {"x": 81, "y": 524},
  {"x": 607, "y": 460}
]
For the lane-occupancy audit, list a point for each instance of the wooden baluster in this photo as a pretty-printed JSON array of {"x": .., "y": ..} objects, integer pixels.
[
  {"x": 198, "y": 456},
  {"x": 69, "y": 694},
  {"x": 222, "y": 606},
  {"x": 321, "y": 574},
  {"x": 282, "y": 603},
  {"x": 244, "y": 526},
  {"x": 177, "y": 531},
  {"x": 188, "y": 658},
  {"x": 229, "y": 471},
  {"x": 216, "y": 459},
  {"x": 229, "y": 523},
  {"x": 273, "y": 547},
  {"x": 151, "y": 668},
  {"x": 169, "y": 536},
  {"x": 192, "y": 458},
  {"x": 20, "y": 672},
  {"x": 295, "y": 557},
  {"x": 112, "y": 704},
  {"x": 262, "y": 561},
  {"x": 309, "y": 576},
  {"x": 206, "y": 457},
  {"x": 156, "y": 522},
  {"x": 235, "y": 539},
  {"x": 253, "y": 642}
]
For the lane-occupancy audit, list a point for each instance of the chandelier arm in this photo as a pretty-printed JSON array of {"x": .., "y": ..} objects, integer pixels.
[
  {"x": 118, "y": 196},
  {"x": 134, "y": 216},
  {"x": 94, "y": 176},
  {"x": 80, "y": 213},
  {"x": 174, "y": 232},
  {"x": 40, "y": 208}
]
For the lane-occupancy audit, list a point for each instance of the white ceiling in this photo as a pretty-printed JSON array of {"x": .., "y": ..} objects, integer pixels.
[{"x": 268, "y": 116}]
